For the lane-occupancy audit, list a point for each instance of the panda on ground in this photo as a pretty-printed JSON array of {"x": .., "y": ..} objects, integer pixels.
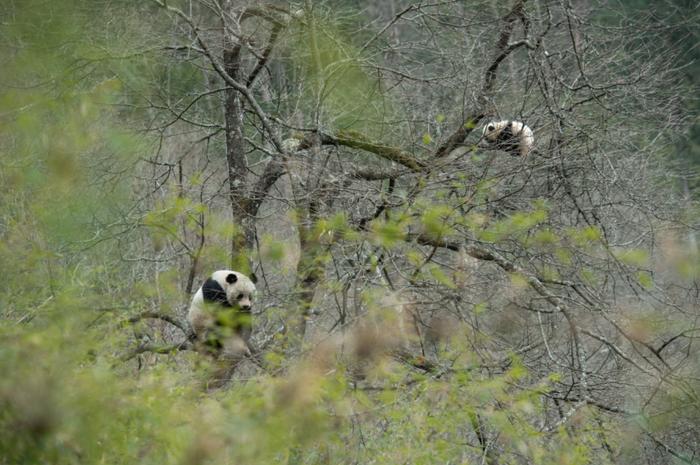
[
  {"x": 220, "y": 313},
  {"x": 513, "y": 137}
]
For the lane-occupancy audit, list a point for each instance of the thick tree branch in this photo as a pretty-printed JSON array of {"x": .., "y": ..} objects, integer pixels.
[
  {"x": 503, "y": 49},
  {"x": 157, "y": 349},
  {"x": 274, "y": 35},
  {"x": 356, "y": 140},
  {"x": 273, "y": 171},
  {"x": 182, "y": 326},
  {"x": 373, "y": 174},
  {"x": 265, "y": 12}
]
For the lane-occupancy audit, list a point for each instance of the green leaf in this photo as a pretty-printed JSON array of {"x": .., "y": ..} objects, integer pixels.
[
  {"x": 435, "y": 221},
  {"x": 442, "y": 278},
  {"x": 388, "y": 233},
  {"x": 633, "y": 257},
  {"x": 645, "y": 279}
]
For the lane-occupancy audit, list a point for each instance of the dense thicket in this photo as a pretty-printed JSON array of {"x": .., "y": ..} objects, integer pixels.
[{"x": 422, "y": 298}]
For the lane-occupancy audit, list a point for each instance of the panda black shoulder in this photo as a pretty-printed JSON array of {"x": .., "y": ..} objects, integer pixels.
[{"x": 212, "y": 291}]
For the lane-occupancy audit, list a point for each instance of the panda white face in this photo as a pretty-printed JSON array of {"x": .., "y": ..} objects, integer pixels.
[{"x": 230, "y": 289}]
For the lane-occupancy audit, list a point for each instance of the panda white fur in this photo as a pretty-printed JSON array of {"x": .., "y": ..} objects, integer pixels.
[
  {"x": 220, "y": 312},
  {"x": 513, "y": 137}
]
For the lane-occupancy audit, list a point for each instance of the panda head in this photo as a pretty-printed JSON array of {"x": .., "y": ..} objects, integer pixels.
[
  {"x": 238, "y": 288},
  {"x": 493, "y": 130},
  {"x": 513, "y": 137}
]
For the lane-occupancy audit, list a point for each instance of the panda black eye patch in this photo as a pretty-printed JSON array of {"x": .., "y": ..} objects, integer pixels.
[{"x": 239, "y": 296}]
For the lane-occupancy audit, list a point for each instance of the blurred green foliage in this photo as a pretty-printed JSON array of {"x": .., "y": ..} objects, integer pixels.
[
  {"x": 67, "y": 397},
  {"x": 55, "y": 129}
]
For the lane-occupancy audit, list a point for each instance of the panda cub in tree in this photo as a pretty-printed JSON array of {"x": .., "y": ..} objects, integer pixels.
[
  {"x": 513, "y": 137},
  {"x": 220, "y": 313}
]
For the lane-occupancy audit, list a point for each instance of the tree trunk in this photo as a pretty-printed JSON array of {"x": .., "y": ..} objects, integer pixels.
[{"x": 243, "y": 237}]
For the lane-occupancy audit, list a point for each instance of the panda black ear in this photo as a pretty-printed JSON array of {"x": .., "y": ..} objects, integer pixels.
[
  {"x": 231, "y": 278},
  {"x": 253, "y": 278}
]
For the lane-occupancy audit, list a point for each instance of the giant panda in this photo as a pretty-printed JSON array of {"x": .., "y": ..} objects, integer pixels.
[
  {"x": 220, "y": 313},
  {"x": 513, "y": 137}
]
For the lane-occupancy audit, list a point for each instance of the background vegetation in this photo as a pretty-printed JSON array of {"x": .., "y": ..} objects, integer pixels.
[{"x": 422, "y": 298}]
